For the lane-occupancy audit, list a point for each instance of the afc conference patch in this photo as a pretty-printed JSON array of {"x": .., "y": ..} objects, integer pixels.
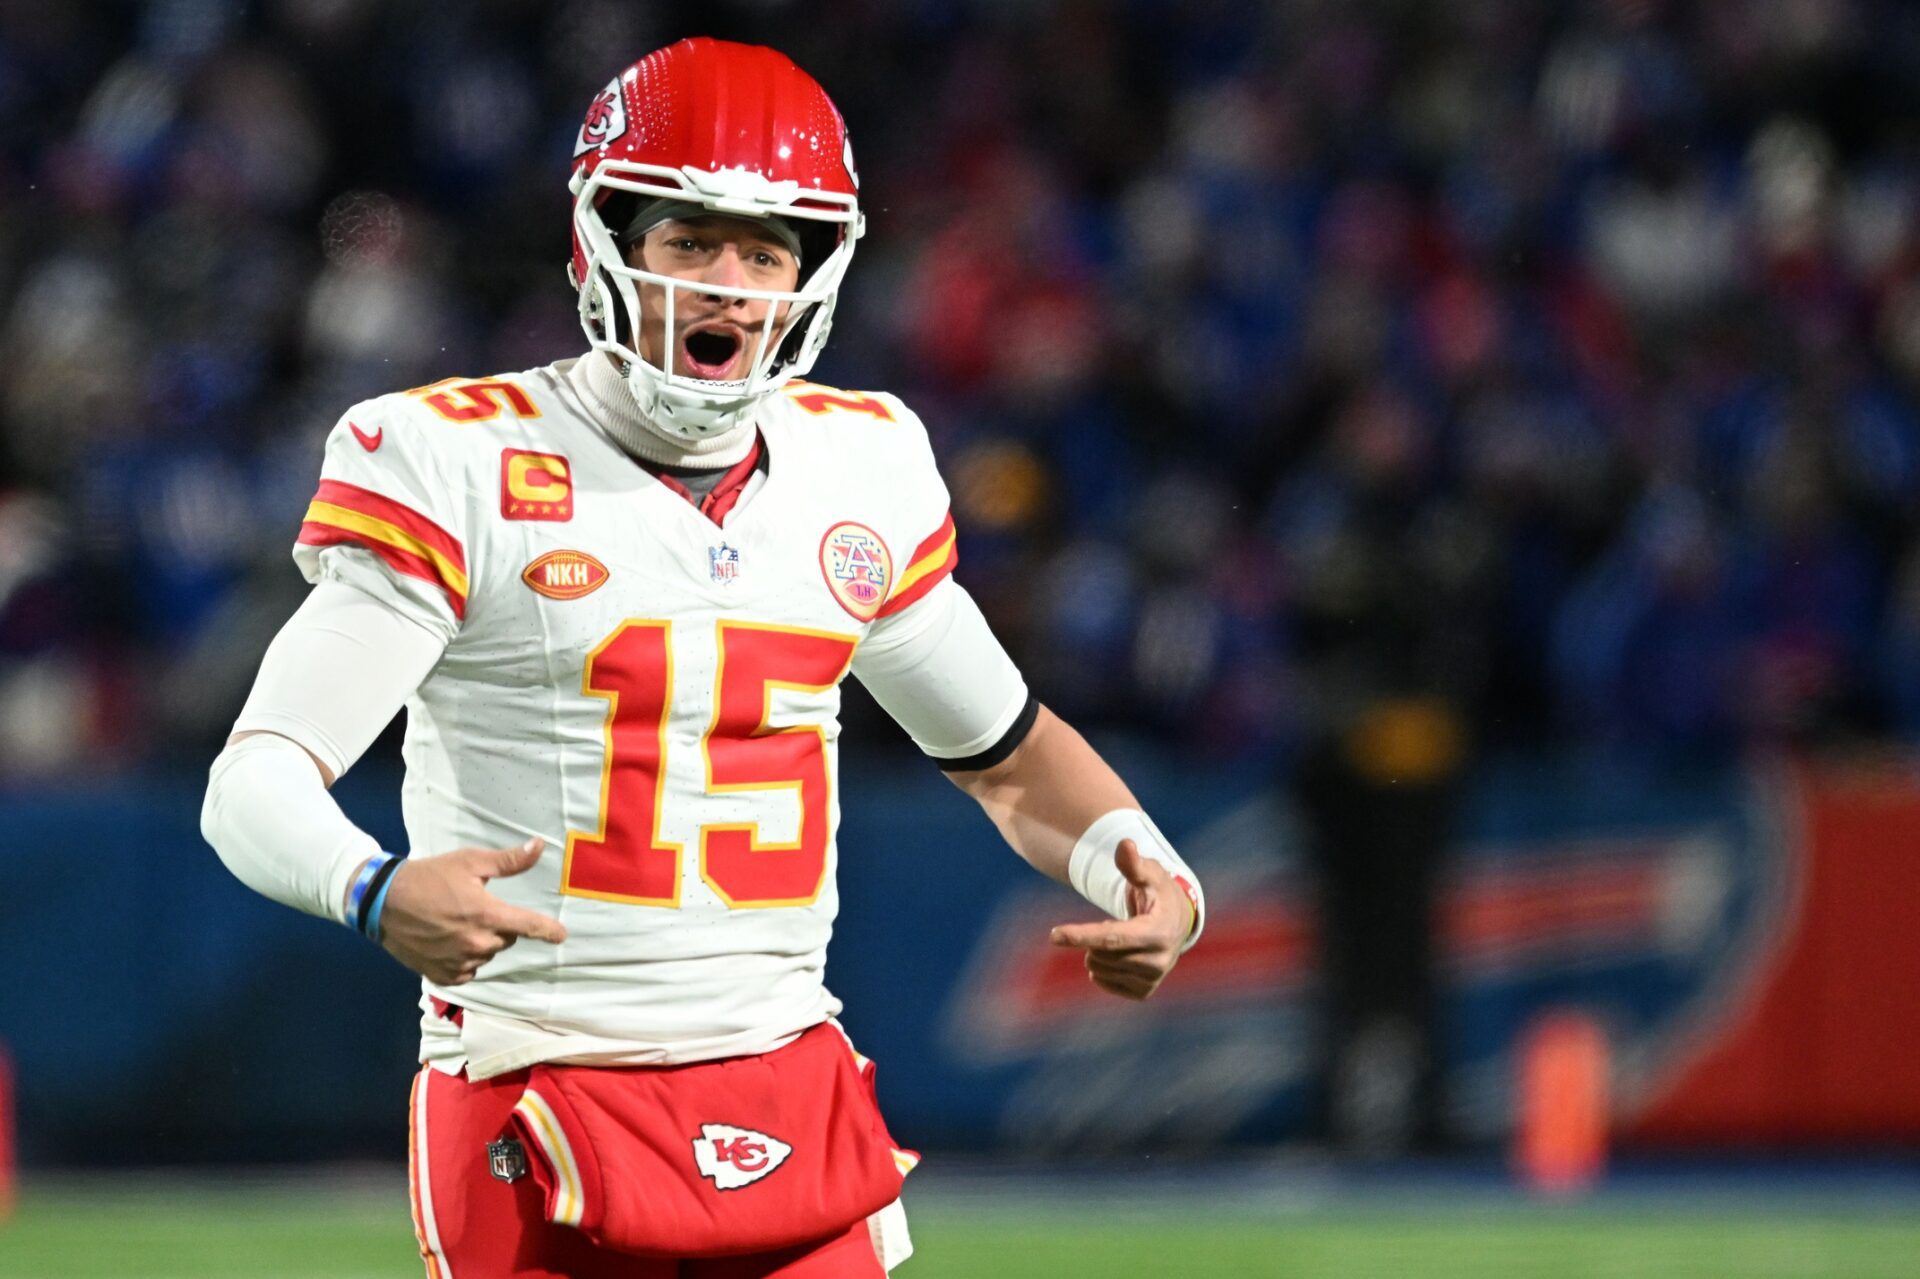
[{"x": 857, "y": 567}]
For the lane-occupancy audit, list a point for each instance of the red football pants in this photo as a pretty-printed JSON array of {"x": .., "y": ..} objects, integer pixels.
[{"x": 471, "y": 1225}]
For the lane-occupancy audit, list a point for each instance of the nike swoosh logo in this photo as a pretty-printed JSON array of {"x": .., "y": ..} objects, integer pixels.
[{"x": 367, "y": 442}]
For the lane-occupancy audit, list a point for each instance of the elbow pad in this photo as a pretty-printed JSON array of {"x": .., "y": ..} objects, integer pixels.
[{"x": 269, "y": 816}]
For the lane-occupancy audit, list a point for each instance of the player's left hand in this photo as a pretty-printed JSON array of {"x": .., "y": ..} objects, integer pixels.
[{"x": 1131, "y": 957}]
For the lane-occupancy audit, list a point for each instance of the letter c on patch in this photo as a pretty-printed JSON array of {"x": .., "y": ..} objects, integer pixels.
[
  {"x": 533, "y": 478},
  {"x": 535, "y": 486}
]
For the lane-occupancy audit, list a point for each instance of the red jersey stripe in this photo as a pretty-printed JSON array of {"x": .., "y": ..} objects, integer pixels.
[
  {"x": 933, "y": 542},
  {"x": 316, "y": 533},
  {"x": 922, "y": 577},
  {"x": 401, "y": 516}
]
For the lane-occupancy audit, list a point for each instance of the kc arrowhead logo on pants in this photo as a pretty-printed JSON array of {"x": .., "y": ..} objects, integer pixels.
[{"x": 735, "y": 1157}]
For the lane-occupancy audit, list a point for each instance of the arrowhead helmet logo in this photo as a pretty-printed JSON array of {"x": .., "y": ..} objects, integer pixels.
[
  {"x": 735, "y": 1157},
  {"x": 606, "y": 119}
]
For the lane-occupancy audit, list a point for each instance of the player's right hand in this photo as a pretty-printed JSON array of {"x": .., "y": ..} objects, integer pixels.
[
  {"x": 440, "y": 920},
  {"x": 1131, "y": 957}
]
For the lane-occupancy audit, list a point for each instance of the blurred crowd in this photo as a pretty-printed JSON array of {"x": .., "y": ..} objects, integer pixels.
[{"x": 1547, "y": 374}]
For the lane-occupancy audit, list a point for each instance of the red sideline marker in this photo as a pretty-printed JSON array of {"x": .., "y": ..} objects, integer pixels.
[
  {"x": 6, "y": 1135},
  {"x": 1560, "y": 1141}
]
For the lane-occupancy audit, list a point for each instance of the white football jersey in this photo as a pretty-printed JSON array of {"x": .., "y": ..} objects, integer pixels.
[{"x": 653, "y": 694}]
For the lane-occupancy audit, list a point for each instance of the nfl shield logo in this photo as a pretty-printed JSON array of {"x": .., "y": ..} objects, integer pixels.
[
  {"x": 723, "y": 562},
  {"x": 506, "y": 1160}
]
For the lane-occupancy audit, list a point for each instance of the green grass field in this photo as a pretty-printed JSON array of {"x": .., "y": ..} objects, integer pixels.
[{"x": 313, "y": 1232}]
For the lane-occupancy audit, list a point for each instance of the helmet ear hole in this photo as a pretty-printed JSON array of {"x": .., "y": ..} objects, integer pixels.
[
  {"x": 795, "y": 341},
  {"x": 620, "y": 321},
  {"x": 817, "y": 242},
  {"x": 617, "y": 211}
]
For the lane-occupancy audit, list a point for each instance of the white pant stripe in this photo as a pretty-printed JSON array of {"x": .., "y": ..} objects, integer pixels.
[{"x": 437, "y": 1267}]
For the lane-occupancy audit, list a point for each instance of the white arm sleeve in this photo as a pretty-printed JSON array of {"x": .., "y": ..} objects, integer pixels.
[
  {"x": 337, "y": 673},
  {"x": 938, "y": 670},
  {"x": 331, "y": 680},
  {"x": 268, "y": 815}
]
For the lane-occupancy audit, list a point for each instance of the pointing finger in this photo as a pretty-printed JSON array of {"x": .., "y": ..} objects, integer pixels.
[
  {"x": 496, "y": 862},
  {"x": 516, "y": 922},
  {"x": 1114, "y": 936}
]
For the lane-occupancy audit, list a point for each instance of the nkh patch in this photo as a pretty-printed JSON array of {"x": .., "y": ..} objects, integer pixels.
[
  {"x": 723, "y": 563},
  {"x": 735, "y": 1157},
  {"x": 565, "y": 575},
  {"x": 857, "y": 567}
]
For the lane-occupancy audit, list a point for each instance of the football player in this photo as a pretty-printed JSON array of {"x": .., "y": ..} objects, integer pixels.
[{"x": 617, "y": 596}]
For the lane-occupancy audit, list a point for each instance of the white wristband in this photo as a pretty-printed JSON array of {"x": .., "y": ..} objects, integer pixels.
[{"x": 1093, "y": 874}]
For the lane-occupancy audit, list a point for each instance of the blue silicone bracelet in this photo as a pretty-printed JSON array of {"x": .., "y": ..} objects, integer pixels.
[
  {"x": 362, "y": 880},
  {"x": 372, "y": 930}
]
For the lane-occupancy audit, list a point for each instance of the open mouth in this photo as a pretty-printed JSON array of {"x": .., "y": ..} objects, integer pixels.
[{"x": 712, "y": 353}]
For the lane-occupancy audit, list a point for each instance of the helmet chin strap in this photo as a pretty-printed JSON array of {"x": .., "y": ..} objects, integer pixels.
[{"x": 605, "y": 392}]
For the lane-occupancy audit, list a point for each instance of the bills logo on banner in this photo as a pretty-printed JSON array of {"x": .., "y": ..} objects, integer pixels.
[
  {"x": 606, "y": 119},
  {"x": 735, "y": 1157},
  {"x": 1669, "y": 925}
]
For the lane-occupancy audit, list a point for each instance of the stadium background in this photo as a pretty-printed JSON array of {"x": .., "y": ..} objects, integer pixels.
[{"x": 1501, "y": 417}]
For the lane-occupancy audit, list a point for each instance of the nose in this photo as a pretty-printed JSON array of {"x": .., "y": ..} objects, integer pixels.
[{"x": 726, "y": 270}]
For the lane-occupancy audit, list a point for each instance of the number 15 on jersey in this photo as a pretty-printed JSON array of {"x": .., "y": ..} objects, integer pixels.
[{"x": 625, "y": 859}]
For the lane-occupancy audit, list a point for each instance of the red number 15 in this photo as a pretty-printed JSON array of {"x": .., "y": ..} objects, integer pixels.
[{"x": 625, "y": 859}]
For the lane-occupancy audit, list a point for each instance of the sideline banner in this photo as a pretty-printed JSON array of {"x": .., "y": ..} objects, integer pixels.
[
  {"x": 1744, "y": 934},
  {"x": 1817, "y": 1039}
]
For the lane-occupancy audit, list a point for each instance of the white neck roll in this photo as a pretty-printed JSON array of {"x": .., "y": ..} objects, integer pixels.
[{"x": 606, "y": 395}]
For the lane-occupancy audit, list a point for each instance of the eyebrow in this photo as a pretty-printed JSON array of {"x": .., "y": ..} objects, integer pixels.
[{"x": 757, "y": 238}]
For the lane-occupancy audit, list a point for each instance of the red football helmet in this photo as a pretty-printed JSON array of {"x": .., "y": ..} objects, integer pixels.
[{"x": 735, "y": 129}]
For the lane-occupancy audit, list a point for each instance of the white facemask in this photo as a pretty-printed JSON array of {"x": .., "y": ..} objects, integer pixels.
[{"x": 689, "y": 409}]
